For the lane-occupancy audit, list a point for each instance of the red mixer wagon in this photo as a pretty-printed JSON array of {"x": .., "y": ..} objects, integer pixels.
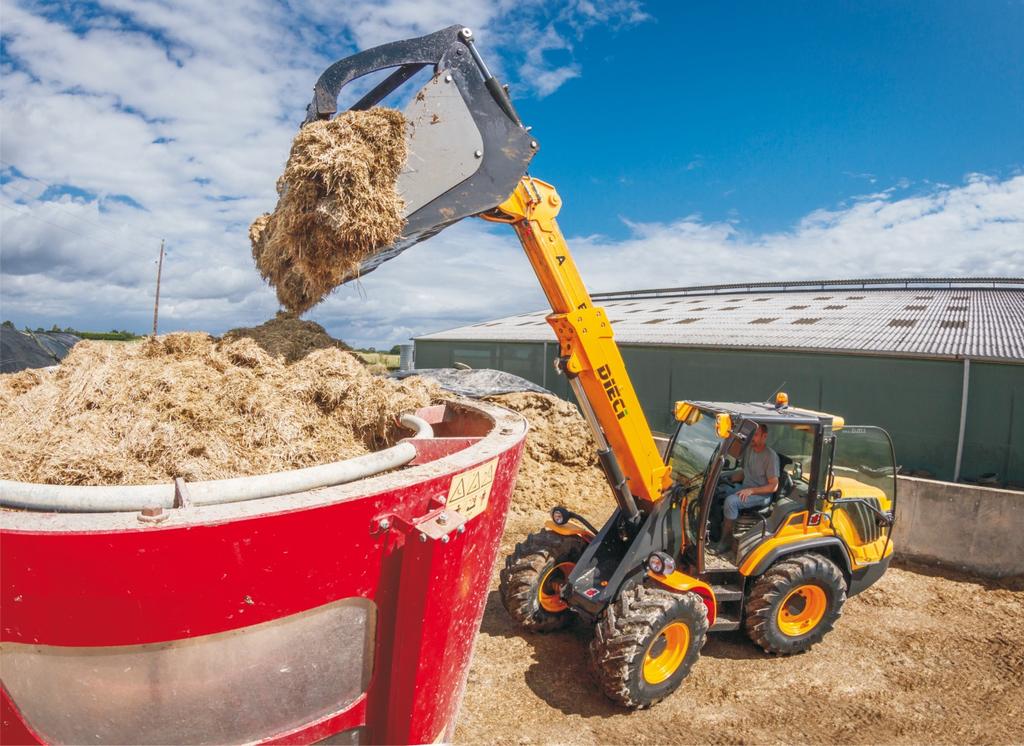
[{"x": 345, "y": 614}]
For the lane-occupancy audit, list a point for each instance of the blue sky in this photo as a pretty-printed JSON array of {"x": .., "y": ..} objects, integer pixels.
[
  {"x": 763, "y": 112},
  {"x": 692, "y": 142}
]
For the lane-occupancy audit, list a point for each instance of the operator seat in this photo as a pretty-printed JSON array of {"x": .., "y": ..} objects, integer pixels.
[
  {"x": 753, "y": 523},
  {"x": 785, "y": 479},
  {"x": 748, "y": 518},
  {"x": 784, "y": 489}
]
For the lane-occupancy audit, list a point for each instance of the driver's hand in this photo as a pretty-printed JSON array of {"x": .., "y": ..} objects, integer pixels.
[{"x": 745, "y": 493}]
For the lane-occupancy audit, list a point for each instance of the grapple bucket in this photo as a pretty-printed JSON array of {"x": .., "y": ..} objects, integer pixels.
[{"x": 467, "y": 148}]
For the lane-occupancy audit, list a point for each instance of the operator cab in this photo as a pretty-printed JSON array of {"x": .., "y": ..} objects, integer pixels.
[{"x": 708, "y": 449}]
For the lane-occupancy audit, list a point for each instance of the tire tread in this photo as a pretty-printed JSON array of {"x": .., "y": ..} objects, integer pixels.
[
  {"x": 522, "y": 572},
  {"x": 771, "y": 588},
  {"x": 625, "y": 629}
]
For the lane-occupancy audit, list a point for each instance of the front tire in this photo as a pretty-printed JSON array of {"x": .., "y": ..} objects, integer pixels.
[
  {"x": 532, "y": 579},
  {"x": 646, "y": 642},
  {"x": 795, "y": 604}
]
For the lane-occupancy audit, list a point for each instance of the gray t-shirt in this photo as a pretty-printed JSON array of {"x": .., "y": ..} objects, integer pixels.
[{"x": 759, "y": 468}]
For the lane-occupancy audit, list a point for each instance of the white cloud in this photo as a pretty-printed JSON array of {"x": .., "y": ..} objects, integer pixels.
[
  {"x": 473, "y": 271},
  {"x": 976, "y": 229},
  {"x": 187, "y": 109},
  {"x": 536, "y": 68},
  {"x": 160, "y": 119}
]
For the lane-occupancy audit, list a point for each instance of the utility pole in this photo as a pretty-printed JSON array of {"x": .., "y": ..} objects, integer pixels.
[{"x": 159, "y": 271}]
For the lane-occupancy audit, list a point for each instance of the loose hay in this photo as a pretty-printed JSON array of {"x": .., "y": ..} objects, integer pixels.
[
  {"x": 337, "y": 205},
  {"x": 288, "y": 336},
  {"x": 559, "y": 464},
  {"x": 184, "y": 405}
]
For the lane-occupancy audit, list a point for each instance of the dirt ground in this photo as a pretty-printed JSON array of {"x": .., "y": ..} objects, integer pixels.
[{"x": 921, "y": 657}]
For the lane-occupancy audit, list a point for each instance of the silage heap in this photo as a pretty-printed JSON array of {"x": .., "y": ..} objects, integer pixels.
[
  {"x": 559, "y": 465},
  {"x": 337, "y": 205},
  {"x": 188, "y": 406},
  {"x": 288, "y": 336}
]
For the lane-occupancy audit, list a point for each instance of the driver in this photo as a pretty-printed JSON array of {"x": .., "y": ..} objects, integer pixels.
[{"x": 752, "y": 486}]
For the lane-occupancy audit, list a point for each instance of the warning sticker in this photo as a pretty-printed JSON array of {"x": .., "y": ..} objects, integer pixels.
[{"x": 471, "y": 490}]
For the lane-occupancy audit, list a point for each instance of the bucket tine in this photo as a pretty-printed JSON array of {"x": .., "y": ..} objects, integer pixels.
[
  {"x": 387, "y": 86},
  {"x": 422, "y": 51}
]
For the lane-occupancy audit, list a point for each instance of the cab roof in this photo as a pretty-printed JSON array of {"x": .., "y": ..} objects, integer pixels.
[{"x": 769, "y": 413}]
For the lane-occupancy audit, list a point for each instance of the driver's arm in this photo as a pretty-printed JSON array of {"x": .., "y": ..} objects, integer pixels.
[{"x": 764, "y": 489}]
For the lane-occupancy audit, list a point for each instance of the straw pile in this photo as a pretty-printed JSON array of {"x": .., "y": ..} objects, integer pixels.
[
  {"x": 559, "y": 465},
  {"x": 337, "y": 205},
  {"x": 187, "y": 406},
  {"x": 288, "y": 336}
]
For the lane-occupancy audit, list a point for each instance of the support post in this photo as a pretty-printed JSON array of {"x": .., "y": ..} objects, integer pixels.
[
  {"x": 544, "y": 366},
  {"x": 159, "y": 271},
  {"x": 963, "y": 419}
]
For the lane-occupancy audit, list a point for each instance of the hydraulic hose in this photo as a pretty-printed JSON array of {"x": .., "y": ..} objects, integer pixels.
[{"x": 102, "y": 499}]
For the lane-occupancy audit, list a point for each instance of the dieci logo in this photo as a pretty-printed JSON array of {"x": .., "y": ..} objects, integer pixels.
[{"x": 612, "y": 389}]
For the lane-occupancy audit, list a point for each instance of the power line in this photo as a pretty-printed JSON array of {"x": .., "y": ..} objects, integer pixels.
[
  {"x": 60, "y": 205},
  {"x": 58, "y": 225},
  {"x": 105, "y": 228}
]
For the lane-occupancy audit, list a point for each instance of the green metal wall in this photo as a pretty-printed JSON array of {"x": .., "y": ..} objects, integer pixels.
[
  {"x": 994, "y": 435},
  {"x": 917, "y": 401}
]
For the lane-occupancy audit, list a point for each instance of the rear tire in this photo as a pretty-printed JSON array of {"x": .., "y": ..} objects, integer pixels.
[
  {"x": 532, "y": 577},
  {"x": 795, "y": 604},
  {"x": 646, "y": 642}
]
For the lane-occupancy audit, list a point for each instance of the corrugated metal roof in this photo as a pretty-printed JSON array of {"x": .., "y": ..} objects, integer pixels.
[{"x": 943, "y": 318}]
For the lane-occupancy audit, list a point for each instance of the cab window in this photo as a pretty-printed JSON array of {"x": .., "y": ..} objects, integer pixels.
[
  {"x": 692, "y": 449},
  {"x": 795, "y": 444},
  {"x": 863, "y": 465}
]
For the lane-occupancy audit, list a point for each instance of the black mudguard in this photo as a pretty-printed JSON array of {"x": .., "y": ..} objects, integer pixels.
[{"x": 829, "y": 546}]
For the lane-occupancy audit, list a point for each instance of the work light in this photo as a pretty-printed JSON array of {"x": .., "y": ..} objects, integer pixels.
[{"x": 661, "y": 563}]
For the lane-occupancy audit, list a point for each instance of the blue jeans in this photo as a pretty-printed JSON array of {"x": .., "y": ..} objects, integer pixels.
[{"x": 732, "y": 506}]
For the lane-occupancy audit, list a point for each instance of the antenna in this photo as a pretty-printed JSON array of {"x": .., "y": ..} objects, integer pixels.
[{"x": 771, "y": 398}]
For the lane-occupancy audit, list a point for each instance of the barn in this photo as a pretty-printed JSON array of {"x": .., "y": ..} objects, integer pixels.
[{"x": 938, "y": 362}]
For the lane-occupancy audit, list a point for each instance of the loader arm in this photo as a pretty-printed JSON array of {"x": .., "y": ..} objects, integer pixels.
[
  {"x": 588, "y": 354},
  {"x": 468, "y": 150}
]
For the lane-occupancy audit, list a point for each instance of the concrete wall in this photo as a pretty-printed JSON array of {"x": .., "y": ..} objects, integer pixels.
[{"x": 976, "y": 529}]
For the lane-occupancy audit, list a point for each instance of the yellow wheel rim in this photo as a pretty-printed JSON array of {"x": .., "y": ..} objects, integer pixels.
[
  {"x": 666, "y": 652},
  {"x": 802, "y": 610},
  {"x": 550, "y": 591}
]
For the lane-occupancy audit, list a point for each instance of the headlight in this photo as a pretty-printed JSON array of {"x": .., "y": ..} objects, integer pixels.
[
  {"x": 670, "y": 564},
  {"x": 661, "y": 563},
  {"x": 655, "y": 563}
]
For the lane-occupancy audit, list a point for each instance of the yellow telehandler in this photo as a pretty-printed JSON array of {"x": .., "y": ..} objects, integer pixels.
[{"x": 647, "y": 579}]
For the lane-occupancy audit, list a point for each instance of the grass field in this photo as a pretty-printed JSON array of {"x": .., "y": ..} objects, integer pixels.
[{"x": 383, "y": 358}]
